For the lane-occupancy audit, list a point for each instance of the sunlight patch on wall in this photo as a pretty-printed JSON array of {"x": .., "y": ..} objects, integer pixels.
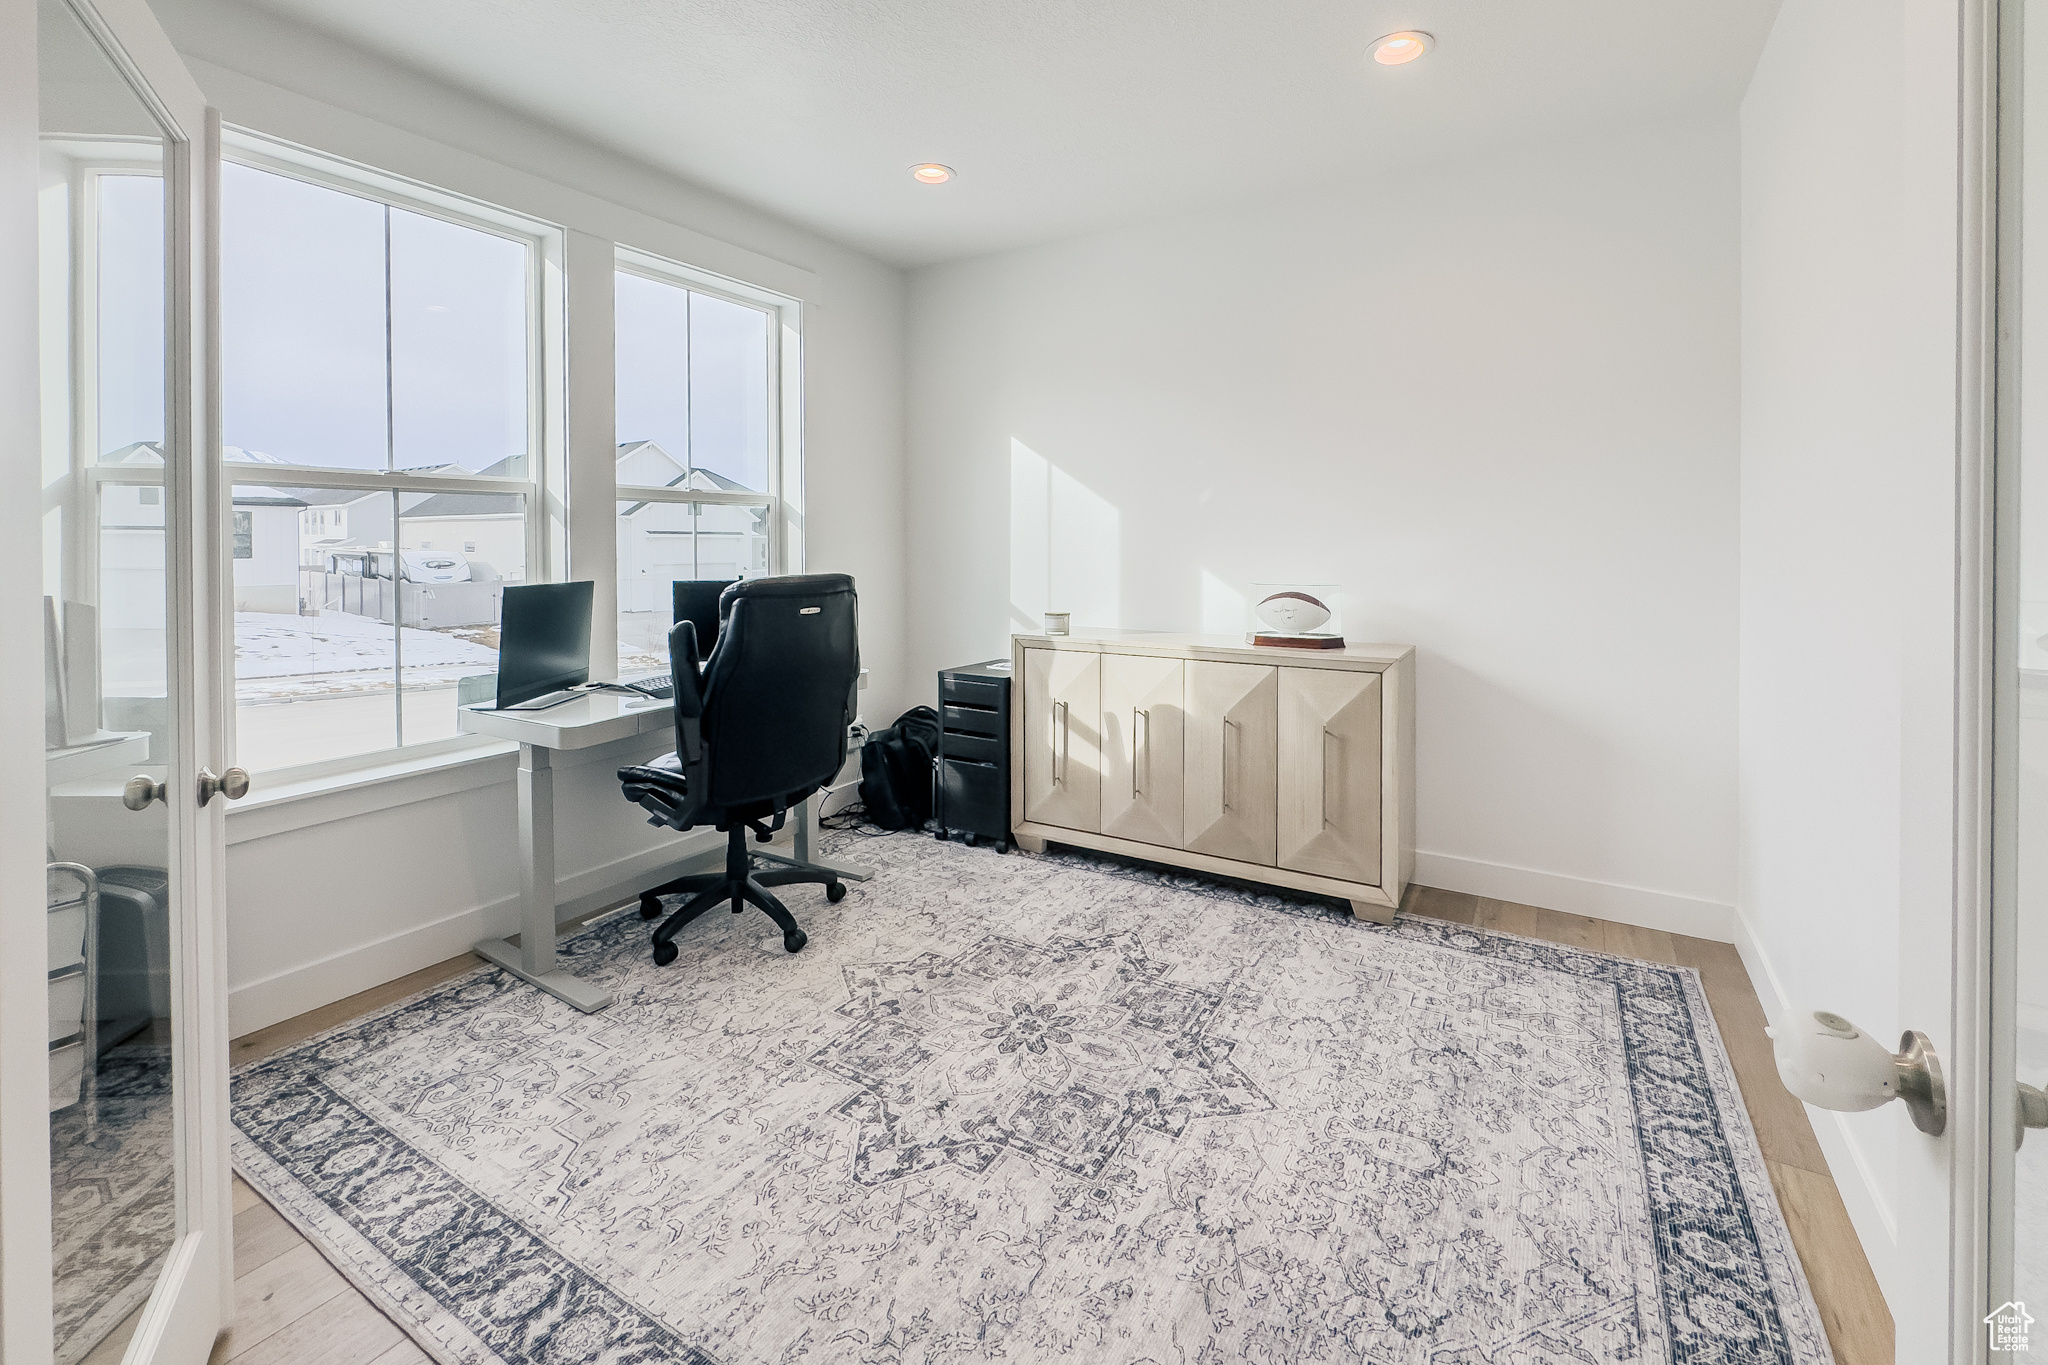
[
  {"x": 1223, "y": 607},
  {"x": 1029, "y": 506},
  {"x": 1066, "y": 546}
]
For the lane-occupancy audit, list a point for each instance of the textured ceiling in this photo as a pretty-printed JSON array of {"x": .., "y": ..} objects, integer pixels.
[{"x": 1060, "y": 116}]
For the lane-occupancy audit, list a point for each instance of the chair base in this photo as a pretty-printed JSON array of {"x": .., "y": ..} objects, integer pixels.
[{"x": 739, "y": 885}]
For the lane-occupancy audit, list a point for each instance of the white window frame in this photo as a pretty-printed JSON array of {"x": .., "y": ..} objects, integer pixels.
[
  {"x": 784, "y": 496},
  {"x": 92, "y": 160},
  {"x": 546, "y": 524}
]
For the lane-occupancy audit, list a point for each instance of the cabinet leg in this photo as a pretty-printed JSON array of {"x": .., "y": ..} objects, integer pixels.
[
  {"x": 1030, "y": 843},
  {"x": 1378, "y": 914}
]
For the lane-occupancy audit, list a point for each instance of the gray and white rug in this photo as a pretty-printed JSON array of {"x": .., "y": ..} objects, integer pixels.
[
  {"x": 1045, "y": 1109},
  {"x": 113, "y": 1199}
]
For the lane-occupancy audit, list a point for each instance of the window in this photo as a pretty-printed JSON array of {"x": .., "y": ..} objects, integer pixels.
[
  {"x": 380, "y": 381},
  {"x": 699, "y": 453}
]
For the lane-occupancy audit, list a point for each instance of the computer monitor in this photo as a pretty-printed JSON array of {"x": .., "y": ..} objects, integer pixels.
[
  {"x": 543, "y": 640},
  {"x": 696, "y": 599}
]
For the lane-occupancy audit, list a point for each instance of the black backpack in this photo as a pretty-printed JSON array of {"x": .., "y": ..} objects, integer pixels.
[{"x": 896, "y": 770}]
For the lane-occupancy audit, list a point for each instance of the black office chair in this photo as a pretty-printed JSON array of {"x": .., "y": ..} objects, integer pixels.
[{"x": 758, "y": 730}]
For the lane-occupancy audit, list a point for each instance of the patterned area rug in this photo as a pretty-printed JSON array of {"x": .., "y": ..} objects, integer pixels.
[
  {"x": 1045, "y": 1109},
  {"x": 113, "y": 1200}
]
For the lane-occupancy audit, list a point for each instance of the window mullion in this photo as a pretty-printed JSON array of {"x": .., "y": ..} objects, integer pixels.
[{"x": 397, "y": 526}]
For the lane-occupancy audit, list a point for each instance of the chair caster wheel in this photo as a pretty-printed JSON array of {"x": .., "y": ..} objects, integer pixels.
[
  {"x": 1006, "y": 847},
  {"x": 835, "y": 892},
  {"x": 940, "y": 836},
  {"x": 664, "y": 953},
  {"x": 650, "y": 908},
  {"x": 795, "y": 939},
  {"x": 970, "y": 837}
]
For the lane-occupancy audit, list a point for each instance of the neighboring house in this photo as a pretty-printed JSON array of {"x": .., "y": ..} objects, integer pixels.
[
  {"x": 659, "y": 542},
  {"x": 338, "y": 517},
  {"x": 266, "y": 550},
  {"x": 281, "y": 534},
  {"x": 265, "y": 536},
  {"x": 486, "y": 526}
]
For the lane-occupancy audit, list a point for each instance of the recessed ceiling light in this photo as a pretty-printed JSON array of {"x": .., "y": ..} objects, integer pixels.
[
  {"x": 1405, "y": 46},
  {"x": 931, "y": 173}
]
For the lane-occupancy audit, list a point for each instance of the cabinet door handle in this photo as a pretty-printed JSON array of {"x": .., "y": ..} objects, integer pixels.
[
  {"x": 1228, "y": 726},
  {"x": 1060, "y": 741},
  {"x": 1328, "y": 768},
  {"x": 1141, "y": 721}
]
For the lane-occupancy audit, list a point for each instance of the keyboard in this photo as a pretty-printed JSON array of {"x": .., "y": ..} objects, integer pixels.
[{"x": 661, "y": 687}]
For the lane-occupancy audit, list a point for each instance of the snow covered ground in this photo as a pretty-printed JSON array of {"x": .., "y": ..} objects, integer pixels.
[
  {"x": 282, "y": 658},
  {"x": 279, "y": 656}
]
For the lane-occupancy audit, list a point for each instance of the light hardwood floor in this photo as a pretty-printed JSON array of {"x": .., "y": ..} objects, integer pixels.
[{"x": 291, "y": 1306}]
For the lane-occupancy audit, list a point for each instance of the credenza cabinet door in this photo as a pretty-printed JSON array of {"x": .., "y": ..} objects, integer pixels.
[
  {"x": 1330, "y": 773},
  {"x": 1141, "y": 748},
  {"x": 1062, "y": 744},
  {"x": 1230, "y": 795}
]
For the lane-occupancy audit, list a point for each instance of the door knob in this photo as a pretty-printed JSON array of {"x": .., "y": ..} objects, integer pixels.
[
  {"x": 233, "y": 784},
  {"x": 1831, "y": 1064},
  {"x": 140, "y": 791}
]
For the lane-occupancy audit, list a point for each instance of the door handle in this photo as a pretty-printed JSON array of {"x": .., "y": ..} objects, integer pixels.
[
  {"x": 233, "y": 784},
  {"x": 140, "y": 791},
  {"x": 1831, "y": 1064},
  {"x": 1141, "y": 719}
]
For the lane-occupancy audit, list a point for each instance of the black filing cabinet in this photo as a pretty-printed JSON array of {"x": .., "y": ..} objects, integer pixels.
[{"x": 972, "y": 785}]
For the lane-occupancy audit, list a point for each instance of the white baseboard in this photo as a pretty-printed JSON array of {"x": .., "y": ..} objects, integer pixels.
[
  {"x": 1841, "y": 1136},
  {"x": 259, "y": 1004},
  {"x": 1640, "y": 906}
]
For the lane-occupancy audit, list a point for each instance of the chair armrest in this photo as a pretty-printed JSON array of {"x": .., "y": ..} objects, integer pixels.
[
  {"x": 662, "y": 788},
  {"x": 686, "y": 669}
]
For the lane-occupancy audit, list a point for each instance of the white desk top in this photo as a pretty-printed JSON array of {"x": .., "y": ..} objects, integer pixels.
[{"x": 589, "y": 720}]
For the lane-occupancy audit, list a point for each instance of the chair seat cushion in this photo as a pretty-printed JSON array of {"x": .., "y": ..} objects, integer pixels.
[{"x": 663, "y": 774}]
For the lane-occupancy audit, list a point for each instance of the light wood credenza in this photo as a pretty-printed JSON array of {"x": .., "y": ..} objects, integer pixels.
[{"x": 1295, "y": 768}]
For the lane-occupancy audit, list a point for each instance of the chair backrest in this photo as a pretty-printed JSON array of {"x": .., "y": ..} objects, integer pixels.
[{"x": 778, "y": 685}]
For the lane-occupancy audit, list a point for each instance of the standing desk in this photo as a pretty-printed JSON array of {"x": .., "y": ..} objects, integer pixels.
[{"x": 589, "y": 720}]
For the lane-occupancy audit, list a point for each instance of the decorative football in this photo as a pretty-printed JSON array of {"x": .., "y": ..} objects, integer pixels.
[{"x": 1295, "y": 613}]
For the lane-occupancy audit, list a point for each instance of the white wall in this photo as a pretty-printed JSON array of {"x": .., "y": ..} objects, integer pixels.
[
  {"x": 1849, "y": 683},
  {"x": 312, "y": 914},
  {"x": 1496, "y": 401}
]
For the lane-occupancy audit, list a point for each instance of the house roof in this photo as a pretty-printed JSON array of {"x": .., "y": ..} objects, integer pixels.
[
  {"x": 697, "y": 479},
  {"x": 332, "y": 497},
  {"x": 246, "y": 496},
  {"x": 465, "y": 505}
]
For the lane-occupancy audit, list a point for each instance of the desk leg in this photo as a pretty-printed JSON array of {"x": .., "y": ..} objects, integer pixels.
[
  {"x": 534, "y": 959},
  {"x": 800, "y": 848}
]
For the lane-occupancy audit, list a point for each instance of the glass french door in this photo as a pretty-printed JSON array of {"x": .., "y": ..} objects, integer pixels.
[{"x": 139, "y": 1232}]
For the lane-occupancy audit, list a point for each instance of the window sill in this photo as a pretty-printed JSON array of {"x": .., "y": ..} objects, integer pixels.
[{"x": 296, "y": 800}]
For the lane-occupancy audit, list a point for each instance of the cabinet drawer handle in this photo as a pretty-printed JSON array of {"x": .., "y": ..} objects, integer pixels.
[
  {"x": 1060, "y": 741},
  {"x": 1141, "y": 749},
  {"x": 1330, "y": 804},
  {"x": 1228, "y": 726}
]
